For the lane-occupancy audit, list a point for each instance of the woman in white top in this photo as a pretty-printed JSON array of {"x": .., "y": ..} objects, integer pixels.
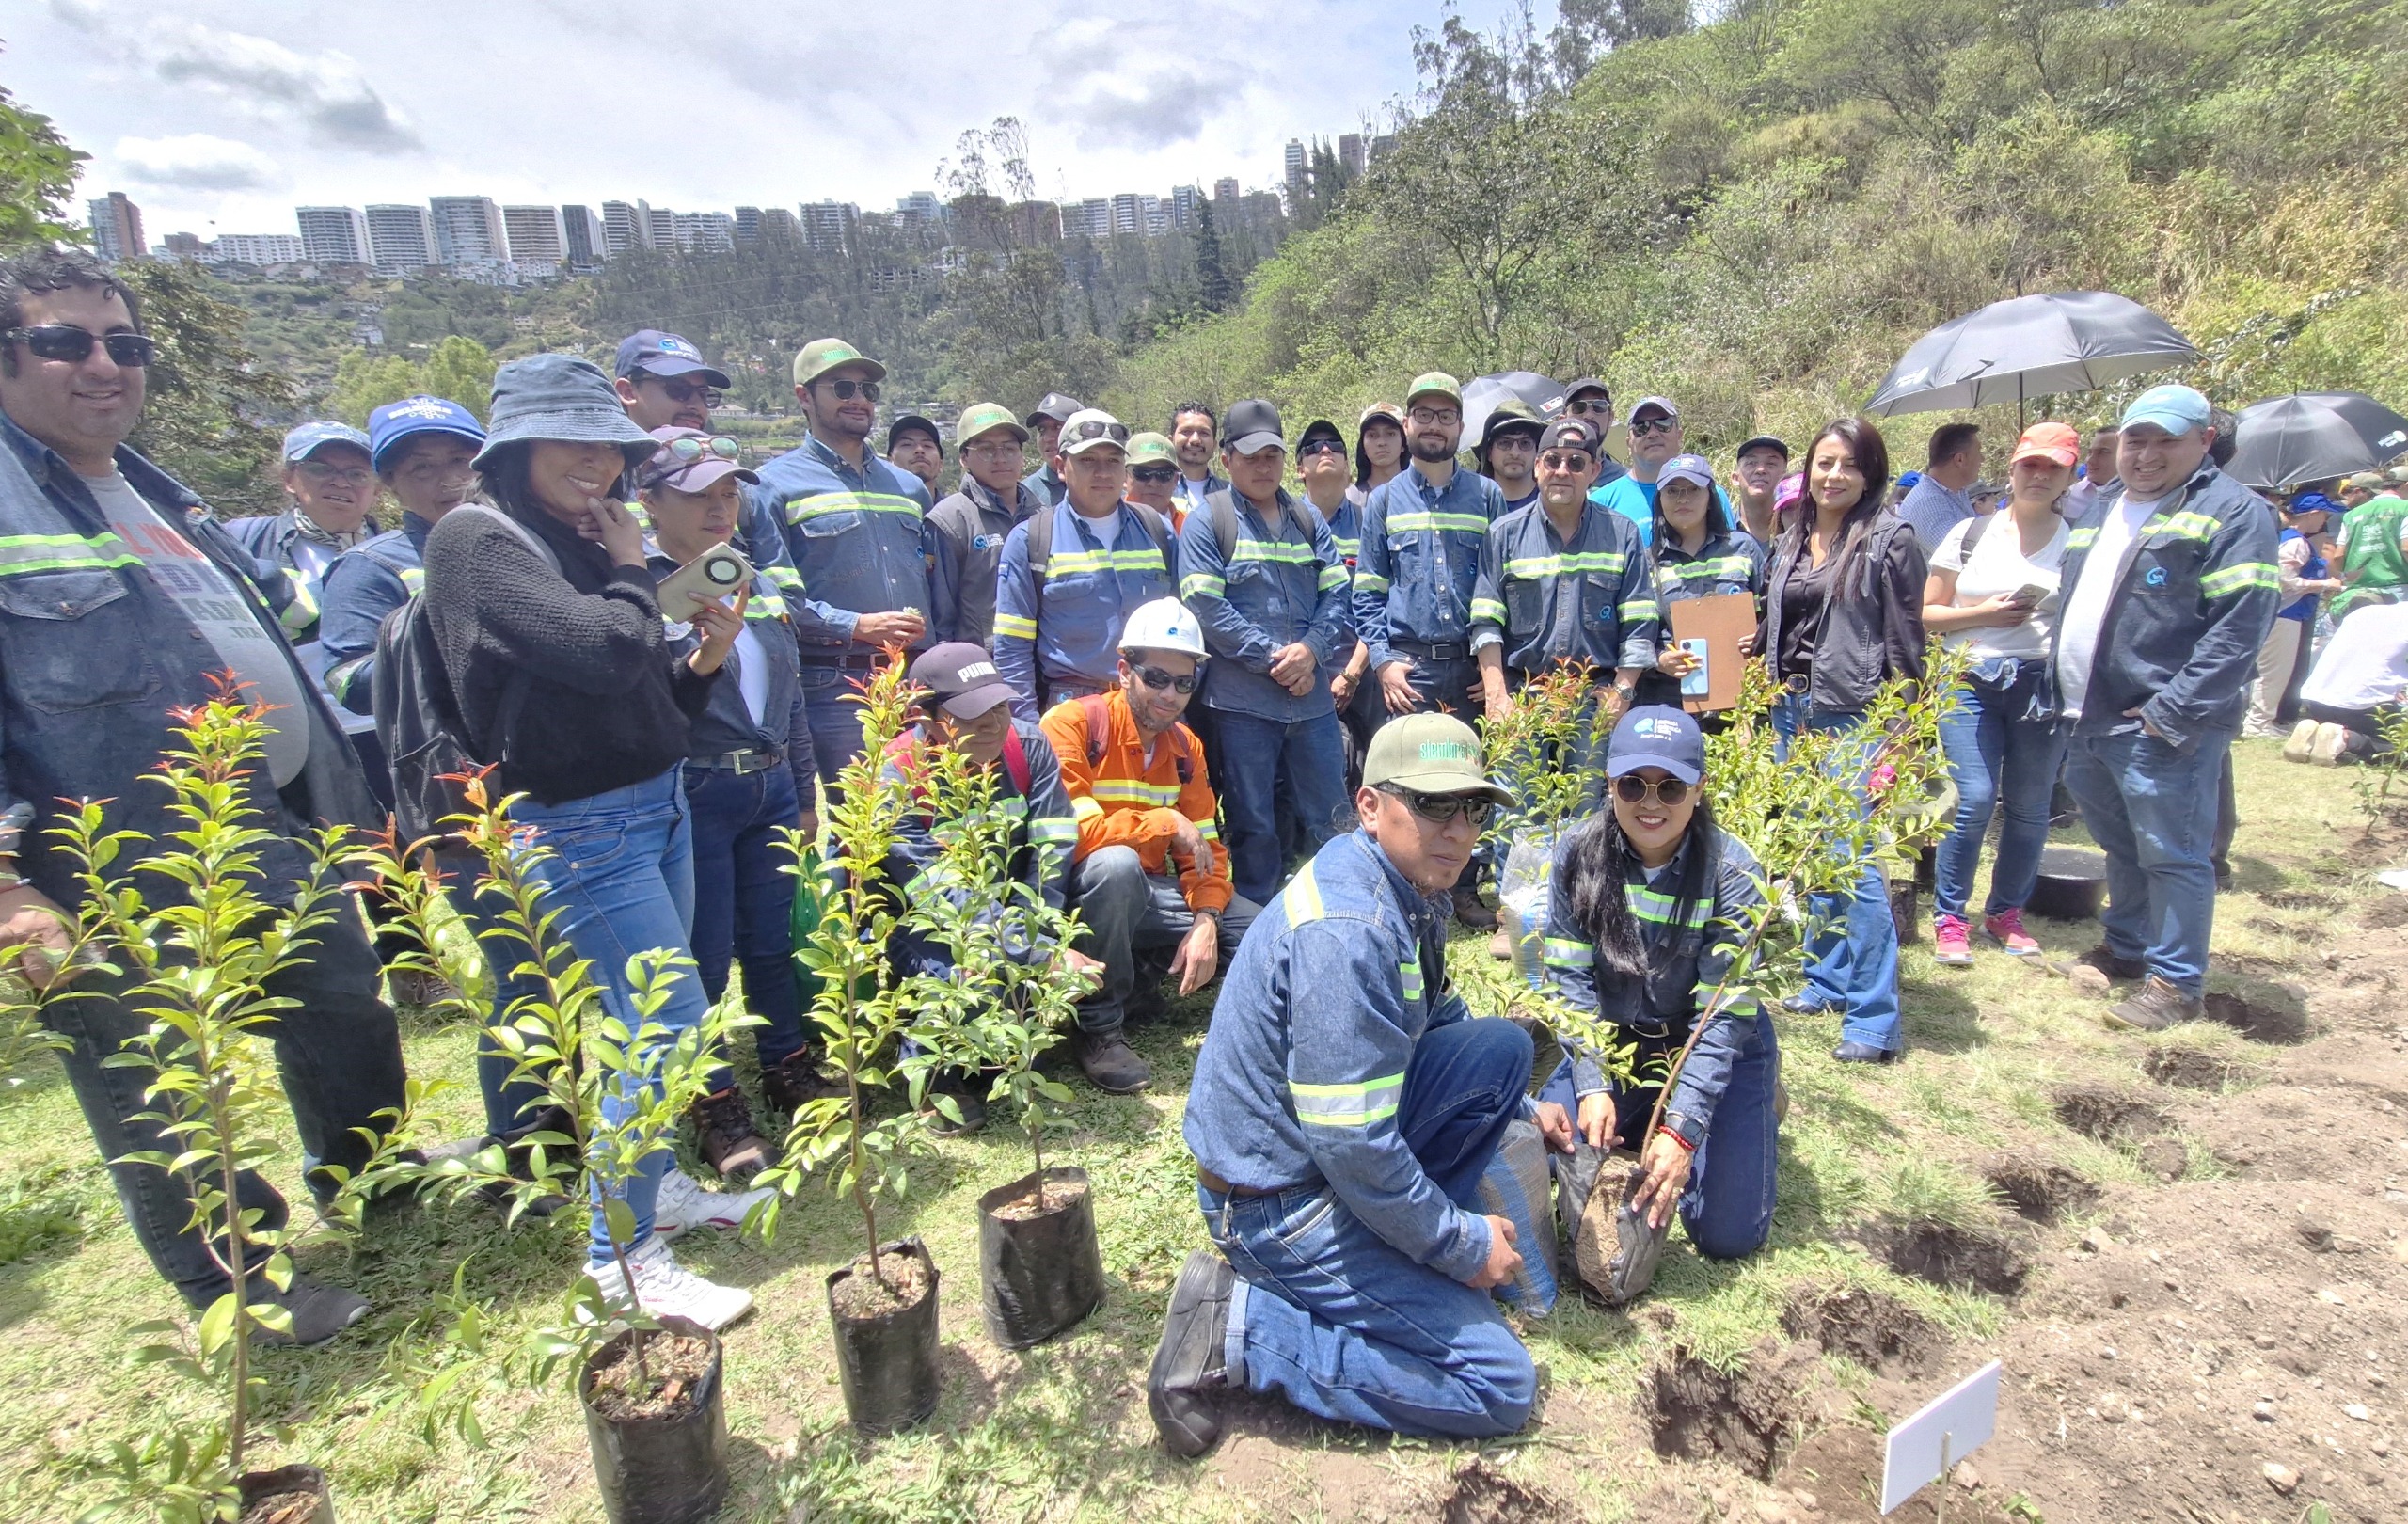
[{"x": 1993, "y": 591}]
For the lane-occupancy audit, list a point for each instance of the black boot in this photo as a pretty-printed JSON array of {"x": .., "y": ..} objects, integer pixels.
[
  {"x": 1111, "y": 1065},
  {"x": 730, "y": 1144},
  {"x": 1191, "y": 1362}
]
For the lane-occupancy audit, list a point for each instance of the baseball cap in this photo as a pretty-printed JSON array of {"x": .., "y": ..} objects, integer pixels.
[
  {"x": 1660, "y": 405},
  {"x": 1907, "y": 479},
  {"x": 961, "y": 680},
  {"x": 666, "y": 469},
  {"x": 1571, "y": 434},
  {"x": 1091, "y": 428},
  {"x": 1430, "y": 753},
  {"x": 2397, "y": 476},
  {"x": 1513, "y": 411},
  {"x": 1657, "y": 735},
  {"x": 1686, "y": 469},
  {"x": 1765, "y": 441},
  {"x": 1055, "y": 406},
  {"x": 913, "y": 420},
  {"x": 1320, "y": 428},
  {"x": 821, "y": 355},
  {"x": 1434, "y": 384},
  {"x": 395, "y": 422},
  {"x": 2056, "y": 442},
  {"x": 1792, "y": 487},
  {"x": 656, "y": 353},
  {"x": 1151, "y": 449},
  {"x": 984, "y": 418},
  {"x": 2367, "y": 482},
  {"x": 306, "y": 439},
  {"x": 2176, "y": 409},
  {"x": 1252, "y": 425},
  {"x": 1389, "y": 411}
]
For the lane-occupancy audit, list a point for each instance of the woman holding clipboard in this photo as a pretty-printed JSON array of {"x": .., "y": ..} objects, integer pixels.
[{"x": 1698, "y": 554}]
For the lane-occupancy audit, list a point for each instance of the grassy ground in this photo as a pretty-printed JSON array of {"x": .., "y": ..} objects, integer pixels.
[{"x": 1060, "y": 1433}]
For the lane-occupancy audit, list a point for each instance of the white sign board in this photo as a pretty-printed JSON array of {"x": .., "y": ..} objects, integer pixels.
[{"x": 1959, "y": 1421}]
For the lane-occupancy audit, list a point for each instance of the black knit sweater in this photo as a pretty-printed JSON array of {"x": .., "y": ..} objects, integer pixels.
[{"x": 606, "y": 705}]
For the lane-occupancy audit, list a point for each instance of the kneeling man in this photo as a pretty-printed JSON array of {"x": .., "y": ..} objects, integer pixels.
[{"x": 1344, "y": 1107}]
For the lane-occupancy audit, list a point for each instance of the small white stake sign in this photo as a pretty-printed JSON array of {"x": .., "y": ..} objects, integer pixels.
[{"x": 1950, "y": 1427}]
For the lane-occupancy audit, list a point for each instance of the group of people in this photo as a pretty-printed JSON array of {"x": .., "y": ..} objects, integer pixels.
[{"x": 1221, "y": 678}]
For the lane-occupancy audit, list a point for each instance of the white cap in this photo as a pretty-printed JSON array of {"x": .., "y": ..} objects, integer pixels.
[{"x": 1163, "y": 625}]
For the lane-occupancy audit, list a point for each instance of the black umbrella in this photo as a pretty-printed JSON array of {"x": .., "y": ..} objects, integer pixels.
[
  {"x": 2028, "y": 347},
  {"x": 2312, "y": 435},
  {"x": 1481, "y": 394}
]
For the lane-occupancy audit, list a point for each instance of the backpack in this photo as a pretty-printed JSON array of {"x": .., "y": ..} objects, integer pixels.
[
  {"x": 418, "y": 717},
  {"x": 1098, "y": 709},
  {"x": 1040, "y": 542},
  {"x": 1222, "y": 505}
]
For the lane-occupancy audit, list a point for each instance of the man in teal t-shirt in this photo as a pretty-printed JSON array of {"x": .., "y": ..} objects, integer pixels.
[{"x": 1655, "y": 439}]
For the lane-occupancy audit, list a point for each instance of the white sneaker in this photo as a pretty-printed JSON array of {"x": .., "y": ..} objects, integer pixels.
[
  {"x": 666, "y": 1289},
  {"x": 2303, "y": 736},
  {"x": 2331, "y": 741},
  {"x": 683, "y": 1205}
]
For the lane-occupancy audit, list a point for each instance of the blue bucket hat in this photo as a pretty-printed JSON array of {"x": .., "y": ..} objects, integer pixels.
[
  {"x": 1657, "y": 735},
  {"x": 397, "y": 422},
  {"x": 306, "y": 439},
  {"x": 564, "y": 398}
]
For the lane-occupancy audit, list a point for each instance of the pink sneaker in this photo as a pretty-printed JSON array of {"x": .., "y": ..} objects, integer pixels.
[
  {"x": 1950, "y": 941},
  {"x": 2006, "y": 928}
]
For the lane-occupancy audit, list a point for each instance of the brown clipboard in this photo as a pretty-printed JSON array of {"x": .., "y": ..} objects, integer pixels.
[{"x": 1721, "y": 620}]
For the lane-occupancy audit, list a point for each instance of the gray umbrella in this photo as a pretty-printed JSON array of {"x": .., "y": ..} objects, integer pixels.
[
  {"x": 2312, "y": 435},
  {"x": 2028, "y": 347},
  {"x": 1484, "y": 392}
]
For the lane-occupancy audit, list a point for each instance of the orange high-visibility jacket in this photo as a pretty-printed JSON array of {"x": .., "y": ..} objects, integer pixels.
[{"x": 1120, "y": 801}]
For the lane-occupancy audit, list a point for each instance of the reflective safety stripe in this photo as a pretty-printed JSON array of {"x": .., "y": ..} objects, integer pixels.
[
  {"x": 2183, "y": 525},
  {"x": 1208, "y": 829},
  {"x": 1731, "y": 568},
  {"x": 339, "y": 678},
  {"x": 1053, "y": 830},
  {"x": 1281, "y": 550},
  {"x": 1370, "y": 581},
  {"x": 1411, "y": 974},
  {"x": 1666, "y": 910},
  {"x": 1347, "y": 549},
  {"x": 1488, "y": 608},
  {"x": 1301, "y": 899},
  {"x": 2249, "y": 574},
  {"x": 1330, "y": 576},
  {"x": 1076, "y": 561},
  {"x": 765, "y": 606},
  {"x": 2081, "y": 539},
  {"x": 783, "y": 578},
  {"x": 1084, "y": 808},
  {"x": 849, "y": 502},
  {"x": 1196, "y": 584},
  {"x": 413, "y": 580},
  {"x": 1571, "y": 563},
  {"x": 1135, "y": 792},
  {"x": 1016, "y": 624},
  {"x": 1637, "y": 610},
  {"x": 23, "y": 553},
  {"x": 1416, "y": 523},
  {"x": 1566, "y": 952},
  {"x": 302, "y": 610},
  {"x": 1348, "y": 1105}
]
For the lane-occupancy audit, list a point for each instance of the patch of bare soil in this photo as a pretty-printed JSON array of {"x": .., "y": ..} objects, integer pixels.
[
  {"x": 2261, "y": 1019},
  {"x": 2195, "y": 1068},
  {"x": 676, "y": 1363},
  {"x": 1484, "y": 1495},
  {"x": 2040, "y": 1191},
  {"x": 1835, "y": 1478},
  {"x": 1748, "y": 1417},
  {"x": 2109, "y": 1115},
  {"x": 1871, "y": 1327},
  {"x": 862, "y": 1294},
  {"x": 1951, "y": 1254},
  {"x": 1060, "y": 1196},
  {"x": 282, "y": 1508}
]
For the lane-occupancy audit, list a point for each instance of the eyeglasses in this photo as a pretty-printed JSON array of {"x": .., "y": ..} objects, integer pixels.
[
  {"x": 686, "y": 391},
  {"x": 1094, "y": 428},
  {"x": 847, "y": 388},
  {"x": 1438, "y": 809},
  {"x": 688, "y": 450},
  {"x": 1320, "y": 447},
  {"x": 319, "y": 471},
  {"x": 1654, "y": 425},
  {"x": 1004, "y": 446},
  {"x": 1633, "y": 789},
  {"x": 1436, "y": 416},
  {"x": 1155, "y": 677},
  {"x": 1155, "y": 475},
  {"x": 1566, "y": 461},
  {"x": 65, "y": 342}
]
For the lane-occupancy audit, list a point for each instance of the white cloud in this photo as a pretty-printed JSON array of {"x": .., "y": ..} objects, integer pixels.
[{"x": 197, "y": 161}]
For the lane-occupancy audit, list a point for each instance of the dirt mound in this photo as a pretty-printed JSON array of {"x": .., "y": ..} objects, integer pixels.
[
  {"x": 2040, "y": 1191},
  {"x": 1484, "y": 1495},
  {"x": 1951, "y": 1254},
  {"x": 2194, "y": 1069},
  {"x": 2276, "y": 1020},
  {"x": 1869, "y": 1327},
  {"x": 1748, "y": 1417},
  {"x": 2389, "y": 910},
  {"x": 2108, "y": 1115}
]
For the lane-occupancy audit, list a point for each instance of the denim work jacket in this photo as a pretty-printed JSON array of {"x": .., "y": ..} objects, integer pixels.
[
  {"x": 1281, "y": 583},
  {"x": 859, "y": 540},
  {"x": 1420, "y": 557}
]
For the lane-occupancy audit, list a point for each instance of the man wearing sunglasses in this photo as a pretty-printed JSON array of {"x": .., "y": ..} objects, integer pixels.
[
  {"x": 1326, "y": 469},
  {"x": 121, "y": 600},
  {"x": 857, "y": 534},
  {"x": 664, "y": 383},
  {"x": 1592, "y": 399},
  {"x": 333, "y": 492},
  {"x": 1071, "y": 576},
  {"x": 1045, "y": 421},
  {"x": 1150, "y": 878},
  {"x": 1153, "y": 477},
  {"x": 969, "y": 528},
  {"x": 1344, "y": 1108},
  {"x": 1655, "y": 439},
  {"x": 1509, "y": 451}
]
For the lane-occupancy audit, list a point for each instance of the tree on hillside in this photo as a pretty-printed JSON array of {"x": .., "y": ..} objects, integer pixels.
[
  {"x": 1213, "y": 282},
  {"x": 459, "y": 367},
  {"x": 37, "y": 176},
  {"x": 212, "y": 414}
]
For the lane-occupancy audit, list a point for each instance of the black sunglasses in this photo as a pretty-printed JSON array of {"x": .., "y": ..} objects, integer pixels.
[
  {"x": 1642, "y": 428},
  {"x": 1324, "y": 446},
  {"x": 686, "y": 391},
  {"x": 65, "y": 342},
  {"x": 1633, "y": 789},
  {"x": 1438, "y": 809},
  {"x": 1155, "y": 677},
  {"x": 1156, "y": 475},
  {"x": 847, "y": 388}
]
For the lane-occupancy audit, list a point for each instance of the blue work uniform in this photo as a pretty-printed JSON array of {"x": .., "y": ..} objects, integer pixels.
[
  {"x": 1589, "y": 600},
  {"x": 1047, "y": 483},
  {"x": 1062, "y": 640},
  {"x": 1730, "y": 561},
  {"x": 966, "y": 534},
  {"x": 1414, "y": 579},
  {"x": 291, "y": 561}
]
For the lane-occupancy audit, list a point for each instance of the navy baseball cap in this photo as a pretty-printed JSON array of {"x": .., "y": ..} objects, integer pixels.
[
  {"x": 665, "y": 354},
  {"x": 395, "y": 422},
  {"x": 306, "y": 439},
  {"x": 1653, "y": 736}
]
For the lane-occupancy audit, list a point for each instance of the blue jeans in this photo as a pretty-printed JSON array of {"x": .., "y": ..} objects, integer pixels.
[
  {"x": 1996, "y": 758},
  {"x": 1852, "y": 953},
  {"x": 1252, "y": 750},
  {"x": 829, "y": 706},
  {"x": 2152, "y": 810},
  {"x": 1124, "y": 910},
  {"x": 1330, "y": 1316},
  {"x": 621, "y": 876},
  {"x": 743, "y": 905}
]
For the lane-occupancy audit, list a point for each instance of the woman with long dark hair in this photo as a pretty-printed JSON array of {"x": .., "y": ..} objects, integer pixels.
[
  {"x": 1696, "y": 553},
  {"x": 1843, "y": 615},
  {"x": 1649, "y": 909}
]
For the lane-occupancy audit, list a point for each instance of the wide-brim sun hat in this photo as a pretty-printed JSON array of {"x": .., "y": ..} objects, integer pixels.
[{"x": 563, "y": 398}]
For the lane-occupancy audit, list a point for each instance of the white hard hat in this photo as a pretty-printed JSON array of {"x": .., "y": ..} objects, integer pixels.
[{"x": 1163, "y": 625}]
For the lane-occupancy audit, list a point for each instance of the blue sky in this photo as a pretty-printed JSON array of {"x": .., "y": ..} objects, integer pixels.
[{"x": 220, "y": 118}]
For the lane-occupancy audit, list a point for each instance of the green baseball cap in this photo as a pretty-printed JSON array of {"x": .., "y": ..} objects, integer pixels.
[
  {"x": 1430, "y": 753},
  {"x": 821, "y": 355},
  {"x": 1434, "y": 384},
  {"x": 986, "y": 418},
  {"x": 1151, "y": 449}
]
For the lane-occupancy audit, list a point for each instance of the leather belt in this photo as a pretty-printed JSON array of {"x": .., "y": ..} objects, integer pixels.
[
  {"x": 1214, "y": 1183},
  {"x": 738, "y": 763},
  {"x": 1455, "y": 651},
  {"x": 843, "y": 663}
]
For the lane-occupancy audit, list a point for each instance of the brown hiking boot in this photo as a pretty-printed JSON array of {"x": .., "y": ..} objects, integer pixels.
[
  {"x": 792, "y": 1081},
  {"x": 421, "y": 988},
  {"x": 2113, "y": 964},
  {"x": 731, "y": 1143},
  {"x": 2156, "y": 1007},
  {"x": 1471, "y": 912}
]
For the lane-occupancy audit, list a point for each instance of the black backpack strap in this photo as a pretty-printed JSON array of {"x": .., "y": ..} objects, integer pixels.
[
  {"x": 1040, "y": 545},
  {"x": 1224, "y": 510},
  {"x": 1975, "y": 531}
]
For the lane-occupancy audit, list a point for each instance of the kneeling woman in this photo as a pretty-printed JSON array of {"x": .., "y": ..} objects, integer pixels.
[{"x": 1650, "y": 906}]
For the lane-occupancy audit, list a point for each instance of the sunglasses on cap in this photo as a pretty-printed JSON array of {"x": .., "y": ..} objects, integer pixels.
[
  {"x": 1160, "y": 680},
  {"x": 686, "y": 391},
  {"x": 1633, "y": 789},
  {"x": 847, "y": 388},
  {"x": 1322, "y": 445},
  {"x": 65, "y": 342},
  {"x": 1090, "y": 429},
  {"x": 687, "y": 450},
  {"x": 1438, "y": 809},
  {"x": 1155, "y": 475}
]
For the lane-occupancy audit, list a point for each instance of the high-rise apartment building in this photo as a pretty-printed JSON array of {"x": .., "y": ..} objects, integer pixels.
[
  {"x": 1184, "y": 199},
  {"x": 660, "y": 226},
  {"x": 704, "y": 233},
  {"x": 1349, "y": 154},
  {"x": 748, "y": 226},
  {"x": 828, "y": 226},
  {"x": 587, "y": 240},
  {"x": 116, "y": 227},
  {"x": 1226, "y": 192},
  {"x": 252, "y": 248},
  {"x": 778, "y": 225},
  {"x": 622, "y": 229},
  {"x": 401, "y": 238},
  {"x": 538, "y": 235},
  {"x": 1296, "y": 160},
  {"x": 332, "y": 234},
  {"x": 468, "y": 230}
]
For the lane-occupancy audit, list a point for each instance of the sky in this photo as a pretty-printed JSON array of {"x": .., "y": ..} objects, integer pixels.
[{"x": 221, "y": 118}]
